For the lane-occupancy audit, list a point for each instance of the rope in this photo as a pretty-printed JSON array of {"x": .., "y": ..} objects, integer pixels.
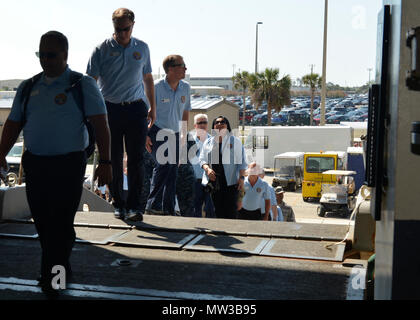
[{"x": 363, "y": 195}]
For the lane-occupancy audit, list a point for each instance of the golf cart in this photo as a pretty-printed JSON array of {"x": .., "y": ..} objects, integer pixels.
[
  {"x": 288, "y": 170},
  {"x": 339, "y": 197}
]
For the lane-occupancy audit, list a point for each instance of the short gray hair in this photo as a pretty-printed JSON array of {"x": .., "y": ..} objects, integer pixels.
[{"x": 200, "y": 116}]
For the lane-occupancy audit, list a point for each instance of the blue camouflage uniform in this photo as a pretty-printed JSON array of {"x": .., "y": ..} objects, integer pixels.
[{"x": 185, "y": 179}]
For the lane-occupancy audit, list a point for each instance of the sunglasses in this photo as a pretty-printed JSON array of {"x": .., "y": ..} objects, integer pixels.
[
  {"x": 46, "y": 55},
  {"x": 119, "y": 30},
  {"x": 220, "y": 122},
  {"x": 179, "y": 65},
  {"x": 202, "y": 122}
]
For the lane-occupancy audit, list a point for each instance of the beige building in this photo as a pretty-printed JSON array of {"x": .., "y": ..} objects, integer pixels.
[
  {"x": 213, "y": 109},
  {"x": 206, "y": 90}
]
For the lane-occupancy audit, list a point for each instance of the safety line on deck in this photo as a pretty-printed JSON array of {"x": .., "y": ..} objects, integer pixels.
[{"x": 104, "y": 292}]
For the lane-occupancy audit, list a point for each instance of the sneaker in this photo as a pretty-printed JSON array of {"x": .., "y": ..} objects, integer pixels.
[
  {"x": 134, "y": 215},
  {"x": 119, "y": 213}
]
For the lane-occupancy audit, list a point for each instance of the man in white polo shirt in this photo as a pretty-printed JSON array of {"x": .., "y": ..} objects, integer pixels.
[{"x": 256, "y": 190}]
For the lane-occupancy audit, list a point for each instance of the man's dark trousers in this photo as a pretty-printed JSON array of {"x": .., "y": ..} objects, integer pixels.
[
  {"x": 200, "y": 197},
  {"x": 53, "y": 209},
  {"x": 127, "y": 123},
  {"x": 163, "y": 185}
]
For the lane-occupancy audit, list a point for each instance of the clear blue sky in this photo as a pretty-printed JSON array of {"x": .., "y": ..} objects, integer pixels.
[{"x": 211, "y": 35}]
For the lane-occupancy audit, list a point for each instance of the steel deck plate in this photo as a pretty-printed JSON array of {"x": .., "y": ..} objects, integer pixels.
[
  {"x": 155, "y": 239},
  {"x": 303, "y": 249},
  {"x": 18, "y": 230},
  {"x": 221, "y": 226},
  {"x": 225, "y": 243},
  {"x": 97, "y": 235},
  {"x": 104, "y": 219}
]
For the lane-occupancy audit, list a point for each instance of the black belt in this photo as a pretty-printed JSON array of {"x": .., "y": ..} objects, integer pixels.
[{"x": 127, "y": 103}]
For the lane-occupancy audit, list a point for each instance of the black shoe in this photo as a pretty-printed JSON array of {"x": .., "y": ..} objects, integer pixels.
[
  {"x": 47, "y": 288},
  {"x": 49, "y": 291},
  {"x": 119, "y": 213},
  {"x": 42, "y": 281},
  {"x": 134, "y": 215}
]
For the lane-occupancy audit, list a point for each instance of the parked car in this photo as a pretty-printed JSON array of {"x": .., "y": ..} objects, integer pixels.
[
  {"x": 260, "y": 119},
  {"x": 14, "y": 157},
  {"x": 359, "y": 118},
  {"x": 248, "y": 115},
  {"x": 354, "y": 113},
  {"x": 276, "y": 120},
  {"x": 298, "y": 119},
  {"x": 336, "y": 119}
]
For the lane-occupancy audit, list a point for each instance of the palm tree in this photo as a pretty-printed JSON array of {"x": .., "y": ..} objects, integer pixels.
[
  {"x": 314, "y": 81},
  {"x": 241, "y": 82},
  {"x": 266, "y": 86}
]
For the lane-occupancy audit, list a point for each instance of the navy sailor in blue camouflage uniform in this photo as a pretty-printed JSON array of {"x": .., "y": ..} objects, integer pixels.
[{"x": 185, "y": 180}]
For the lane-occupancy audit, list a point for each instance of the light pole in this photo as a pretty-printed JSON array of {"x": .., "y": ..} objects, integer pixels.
[
  {"x": 324, "y": 66},
  {"x": 256, "y": 47}
]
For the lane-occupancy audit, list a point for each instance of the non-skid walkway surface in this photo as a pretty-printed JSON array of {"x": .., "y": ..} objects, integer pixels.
[
  {"x": 292, "y": 240},
  {"x": 187, "y": 258}
]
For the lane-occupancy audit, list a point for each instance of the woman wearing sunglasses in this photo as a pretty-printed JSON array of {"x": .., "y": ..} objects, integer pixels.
[{"x": 223, "y": 160}]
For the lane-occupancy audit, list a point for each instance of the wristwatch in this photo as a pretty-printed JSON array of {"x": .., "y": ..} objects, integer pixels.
[{"x": 104, "y": 161}]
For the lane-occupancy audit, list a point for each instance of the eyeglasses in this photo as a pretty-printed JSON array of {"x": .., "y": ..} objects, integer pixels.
[
  {"x": 202, "y": 122},
  {"x": 220, "y": 122},
  {"x": 119, "y": 30},
  {"x": 47, "y": 55},
  {"x": 179, "y": 65}
]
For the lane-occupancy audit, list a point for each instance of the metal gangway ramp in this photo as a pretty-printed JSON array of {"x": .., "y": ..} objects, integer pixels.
[{"x": 171, "y": 257}]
